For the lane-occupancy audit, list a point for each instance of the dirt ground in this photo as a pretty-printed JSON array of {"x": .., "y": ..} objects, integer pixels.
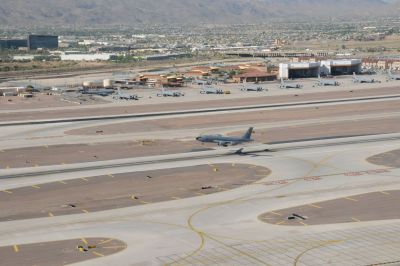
[
  {"x": 390, "y": 159},
  {"x": 244, "y": 118},
  {"x": 343, "y": 210},
  {"x": 59, "y": 252},
  {"x": 124, "y": 190},
  {"x": 76, "y": 153}
]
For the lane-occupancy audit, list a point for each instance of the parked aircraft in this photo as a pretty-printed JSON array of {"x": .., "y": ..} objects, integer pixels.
[
  {"x": 226, "y": 141},
  {"x": 251, "y": 88},
  {"x": 393, "y": 77},
  {"x": 211, "y": 90},
  {"x": 170, "y": 93},
  {"x": 360, "y": 79},
  {"x": 287, "y": 85},
  {"x": 125, "y": 96},
  {"x": 327, "y": 82},
  {"x": 100, "y": 92},
  {"x": 202, "y": 82}
]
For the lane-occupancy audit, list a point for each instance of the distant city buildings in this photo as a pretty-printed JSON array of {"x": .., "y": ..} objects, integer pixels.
[
  {"x": 33, "y": 42},
  {"x": 42, "y": 42}
]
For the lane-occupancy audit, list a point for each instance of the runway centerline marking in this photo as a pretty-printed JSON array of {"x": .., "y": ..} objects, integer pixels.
[
  {"x": 35, "y": 186},
  {"x": 16, "y": 248}
]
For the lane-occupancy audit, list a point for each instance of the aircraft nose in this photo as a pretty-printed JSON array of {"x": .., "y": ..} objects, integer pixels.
[{"x": 198, "y": 138}]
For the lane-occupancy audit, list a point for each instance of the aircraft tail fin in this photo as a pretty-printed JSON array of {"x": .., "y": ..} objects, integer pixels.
[{"x": 247, "y": 136}]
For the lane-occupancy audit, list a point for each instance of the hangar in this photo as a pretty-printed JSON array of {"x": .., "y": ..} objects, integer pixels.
[
  {"x": 340, "y": 67},
  {"x": 299, "y": 70}
]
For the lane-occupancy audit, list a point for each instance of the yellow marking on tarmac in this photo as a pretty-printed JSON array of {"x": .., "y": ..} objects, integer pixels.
[
  {"x": 110, "y": 175},
  {"x": 62, "y": 182},
  {"x": 315, "y": 206},
  {"x": 355, "y": 219},
  {"x": 8, "y": 167},
  {"x": 46, "y": 146},
  {"x": 7, "y": 191},
  {"x": 200, "y": 194},
  {"x": 35, "y": 186},
  {"x": 36, "y": 165},
  {"x": 175, "y": 198},
  {"x": 84, "y": 179},
  {"x": 223, "y": 189},
  {"x": 98, "y": 254},
  {"x": 145, "y": 202},
  {"x": 252, "y": 167},
  {"x": 51, "y": 215},
  {"x": 348, "y": 198},
  {"x": 16, "y": 248},
  {"x": 303, "y": 223},
  {"x": 233, "y": 164},
  {"x": 84, "y": 241},
  {"x": 281, "y": 222},
  {"x": 260, "y": 175},
  {"x": 384, "y": 192},
  {"x": 105, "y": 241},
  {"x": 276, "y": 213},
  {"x": 85, "y": 211},
  {"x": 216, "y": 169},
  {"x": 62, "y": 163}
]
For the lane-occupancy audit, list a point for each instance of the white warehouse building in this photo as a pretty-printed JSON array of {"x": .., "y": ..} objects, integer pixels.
[
  {"x": 299, "y": 70},
  {"x": 341, "y": 67},
  {"x": 326, "y": 67}
]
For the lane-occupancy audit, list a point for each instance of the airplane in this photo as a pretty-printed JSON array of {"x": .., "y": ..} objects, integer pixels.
[
  {"x": 393, "y": 77},
  {"x": 100, "y": 92},
  {"x": 125, "y": 96},
  {"x": 359, "y": 79},
  {"x": 211, "y": 90},
  {"x": 327, "y": 82},
  {"x": 226, "y": 141},
  {"x": 252, "y": 88},
  {"x": 170, "y": 93},
  {"x": 202, "y": 82},
  {"x": 285, "y": 85}
]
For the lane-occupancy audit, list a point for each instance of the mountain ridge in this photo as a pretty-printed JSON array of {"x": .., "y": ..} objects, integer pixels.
[{"x": 126, "y": 12}]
